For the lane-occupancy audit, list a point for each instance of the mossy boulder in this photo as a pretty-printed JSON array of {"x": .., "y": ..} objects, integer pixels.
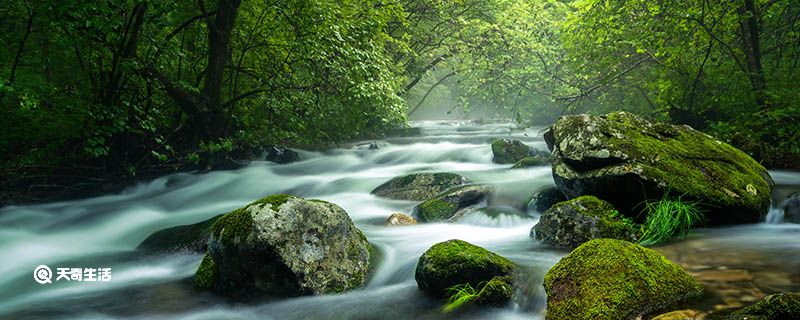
[
  {"x": 418, "y": 186},
  {"x": 284, "y": 245},
  {"x": 535, "y": 159},
  {"x": 546, "y": 198},
  {"x": 781, "y": 306},
  {"x": 509, "y": 151},
  {"x": 455, "y": 262},
  {"x": 191, "y": 237},
  {"x": 452, "y": 203},
  {"x": 791, "y": 209},
  {"x": 626, "y": 159},
  {"x": 570, "y": 223},
  {"x": 607, "y": 279},
  {"x": 400, "y": 219}
]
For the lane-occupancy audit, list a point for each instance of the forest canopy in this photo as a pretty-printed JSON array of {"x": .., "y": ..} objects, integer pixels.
[{"x": 120, "y": 86}]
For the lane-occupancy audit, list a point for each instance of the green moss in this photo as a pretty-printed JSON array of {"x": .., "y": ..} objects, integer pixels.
[
  {"x": 692, "y": 163},
  {"x": 435, "y": 209},
  {"x": 496, "y": 292},
  {"x": 613, "y": 224},
  {"x": 775, "y": 307},
  {"x": 613, "y": 279},
  {"x": 238, "y": 224},
  {"x": 206, "y": 273},
  {"x": 455, "y": 262},
  {"x": 529, "y": 162},
  {"x": 509, "y": 151}
]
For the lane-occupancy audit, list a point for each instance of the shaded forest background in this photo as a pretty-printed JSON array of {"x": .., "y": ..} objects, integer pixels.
[{"x": 96, "y": 92}]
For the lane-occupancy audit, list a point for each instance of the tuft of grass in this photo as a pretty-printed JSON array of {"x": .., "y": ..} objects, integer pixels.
[
  {"x": 459, "y": 295},
  {"x": 669, "y": 218}
]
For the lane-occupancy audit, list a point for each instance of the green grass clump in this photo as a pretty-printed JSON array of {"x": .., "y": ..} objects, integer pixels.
[
  {"x": 459, "y": 295},
  {"x": 669, "y": 218}
]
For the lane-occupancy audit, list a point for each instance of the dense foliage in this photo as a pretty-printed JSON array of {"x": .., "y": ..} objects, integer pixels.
[{"x": 124, "y": 85}]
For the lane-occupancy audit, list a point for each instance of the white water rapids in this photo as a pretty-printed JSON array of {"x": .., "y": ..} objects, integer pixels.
[{"x": 104, "y": 232}]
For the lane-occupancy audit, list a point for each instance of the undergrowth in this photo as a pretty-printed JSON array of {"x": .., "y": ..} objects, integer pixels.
[{"x": 669, "y": 218}]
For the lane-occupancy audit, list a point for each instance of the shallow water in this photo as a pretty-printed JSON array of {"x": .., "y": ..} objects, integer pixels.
[{"x": 104, "y": 232}]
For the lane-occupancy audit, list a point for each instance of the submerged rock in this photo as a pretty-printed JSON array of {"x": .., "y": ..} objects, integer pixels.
[
  {"x": 625, "y": 160},
  {"x": 791, "y": 209},
  {"x": 452, "y": 203},
  {"x": 192, "y": 238},
  {"x": 569, "y": 224},
  {"x": 607, "y": 279},
  {"x": 546, "y": 198},
  {"x": 280, "y": 155},
  {"x": 284, "y": 245},
  {"x": 781, "y": 306},
  {"x": 509, "y": 151},
  {"x": 399, "y": 219},
  {"x": 418, "y": 186},
  {"x": 455, "y": 262}
]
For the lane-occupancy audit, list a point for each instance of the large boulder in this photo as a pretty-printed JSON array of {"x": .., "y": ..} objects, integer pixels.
[
  {"x": 546, "y": 198},
  {"x": 607, "y": 279},
  {"x": 509, "y": 151},
  {"x": 418, "y": 186},
  {"x": 284, "y": 245},
  {"x": 571, "y": 223},
  {"x": 452, "y": 203},
  {"x": 456, "y": 263},
  {"x": 625, "y": 160},
  {"x": 191, "y": 237},
  {"x": 781, "y": 306},
  {"x": 791, "y": 209}
]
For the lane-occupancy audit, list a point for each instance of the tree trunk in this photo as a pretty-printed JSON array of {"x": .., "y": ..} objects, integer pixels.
[
  {"x": 21, "y": 48},
  {"x": 750, "y": 30}
]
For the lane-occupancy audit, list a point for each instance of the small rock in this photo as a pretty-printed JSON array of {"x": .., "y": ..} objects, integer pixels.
[
  {"x": 546, "y": 198},
  {"x": 191, "y": 237},
  {"x": 280, "y": 155},
  {"x": 791, "y": 209},
  {"x": 781, "y": 306},
  {"x": 509, "y": 151},
  {"x": 452, "y": 203},
  {"x": 418, "y": 186},
  {"x": 455, "y": 262},
  {"x": 400, "y": 219}
]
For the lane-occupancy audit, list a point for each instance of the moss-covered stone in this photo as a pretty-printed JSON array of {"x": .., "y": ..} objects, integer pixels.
[
  {"x": 456, "y": 262},
  {"x": 192, "y": 237},
  {"x": 451, "y": 203},
  {"x": 496, "y": 292},
  {"x": 418, "y": 186},
  {"x": 781, "y": 306},
  {"x": 206, "y": 274},
  {"x": 625, "y": 160},
  {"x": 530, "y": 162},
  {"x": 509, "y": 151},
  {"x": 607, "y": 279},
  {"x": 570, "y": 223},
  {"x": 283, "y": 245}
]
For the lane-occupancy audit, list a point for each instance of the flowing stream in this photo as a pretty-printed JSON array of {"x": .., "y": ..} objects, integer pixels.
[{"x": 103, "y": 232}]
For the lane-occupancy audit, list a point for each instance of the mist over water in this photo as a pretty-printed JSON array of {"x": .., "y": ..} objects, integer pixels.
[{"x": 104, "y": 232}]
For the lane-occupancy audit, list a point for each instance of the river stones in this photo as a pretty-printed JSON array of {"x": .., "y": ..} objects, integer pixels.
[
  {"x": 284, "y": 245},
  {"x": 775, "y": 307},
  {"x": 400, "y": 219},
  {"x": 509, "y": 151},
  {"x": 452, "y": 203},
  {"x": 546, "y": 198},
  {"x": 418, "y": 186},
  {"x": 457, "y": 263},
  {"x": 570, "y": 223},
  {"x": 791, "y": 209},
  {"x": 625, "y": 160},
  {"x": 607, "y": 279},
  {"x": 192, "y": 238}
]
